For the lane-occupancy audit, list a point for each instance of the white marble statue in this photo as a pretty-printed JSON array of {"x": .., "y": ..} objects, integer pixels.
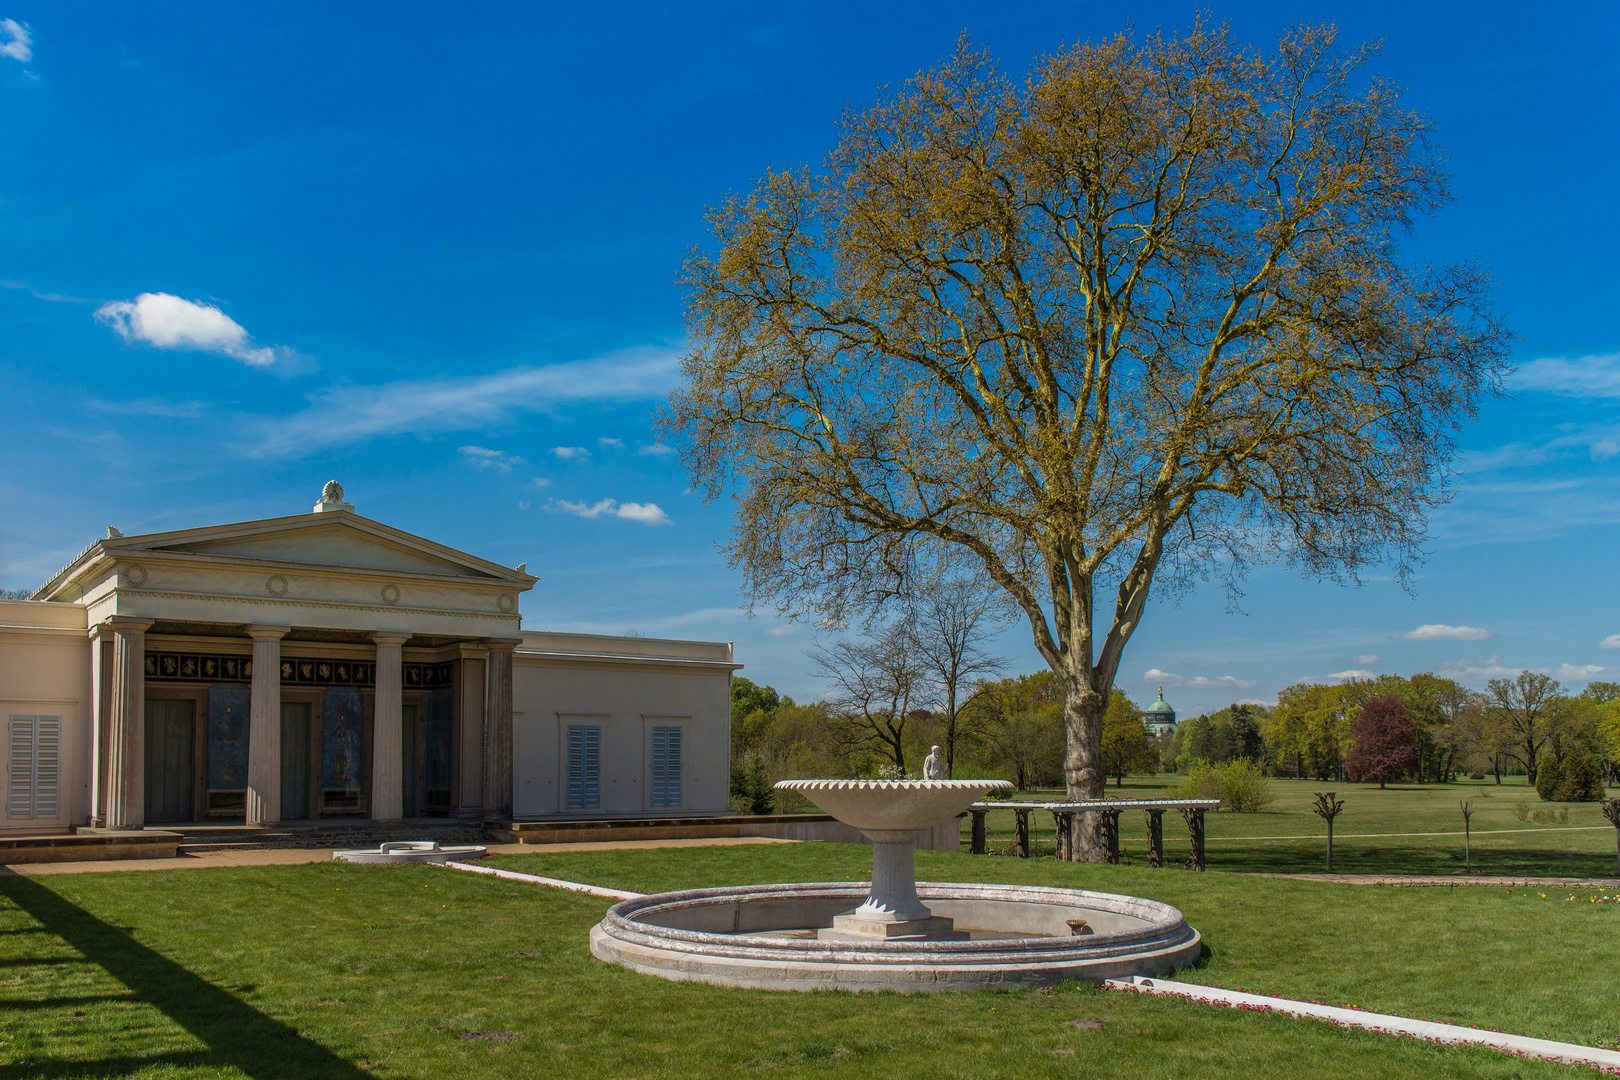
[{"x": 933, "y": 768}]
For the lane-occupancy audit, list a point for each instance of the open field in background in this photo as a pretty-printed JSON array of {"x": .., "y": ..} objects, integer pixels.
[
  {"x": 348, "y": 971},
  {"x": 1584, "y": 846}
]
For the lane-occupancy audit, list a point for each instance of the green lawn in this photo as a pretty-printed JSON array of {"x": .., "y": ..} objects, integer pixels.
[
  {"x": 1584, "y": 846},
  {"x": 339, "y": 971}
]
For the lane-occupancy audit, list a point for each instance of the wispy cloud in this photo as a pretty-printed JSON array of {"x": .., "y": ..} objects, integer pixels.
[
  {"x": 1352, "y": 673},
  {"x": 481, "y": 457},
  {"x": 1477, "y": 670},
  {"x": 1578, "y": 672},
  {"x": 353, "y": 414},
  {"x": 170, "y": 322},
  {"x": 53, "y": 297},
  {"x": 149, "y": 407},
  {"x": 781, "y": 630},
  {"x": 646, "y": 513},
  {"x": 657, "y": 450},
  {"x": 571, "y": 453},
  {"x": 1197, "y": 682},
  {"x": 16, "y": 40},
  {"x": 541, "y": 482},
  {"x": 1369, "y": 658},
  {"x": 1442, "y": 632},
  {"x": 607, "y": 443},
  {"x": 1610, "y": 642},
  {"x": 1596, "y": 376}
]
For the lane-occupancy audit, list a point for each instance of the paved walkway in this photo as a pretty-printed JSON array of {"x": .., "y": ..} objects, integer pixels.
[{"x": 293, "y": 857}]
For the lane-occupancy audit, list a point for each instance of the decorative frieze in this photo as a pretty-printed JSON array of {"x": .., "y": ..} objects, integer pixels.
[{"x": 295, "y": 671}]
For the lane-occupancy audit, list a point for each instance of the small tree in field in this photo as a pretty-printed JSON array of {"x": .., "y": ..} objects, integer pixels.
[
  {"x": 1138, "y": 318},
  {"x": 1385, "y": 743},
  {"x": 1467, "y": 808},
  {"x": 1327, "y": 808},
  {"x": 1125, "y": 745}
]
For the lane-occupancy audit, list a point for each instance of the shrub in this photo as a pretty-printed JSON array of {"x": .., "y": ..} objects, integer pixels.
[
  {"x": 1521, "y": 810},
  {"x": 1548, "y": 777},
  {"x": 1240, "y": 786},
  {"x": 1580, "y": 779},
  {"x": 1244, "y": 788},
  {"x": 1476, "y": 776},
  {"x": 751, "y": 790},
  {"x": 1203, "y": 782}
]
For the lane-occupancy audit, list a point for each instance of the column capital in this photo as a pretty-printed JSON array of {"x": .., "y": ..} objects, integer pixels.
[
  {"x": 126, "y": 624},
  {"x": 502, "y": 644},
  {"x": 267, "y": 630},
  {"x": 390, "y": 637}
]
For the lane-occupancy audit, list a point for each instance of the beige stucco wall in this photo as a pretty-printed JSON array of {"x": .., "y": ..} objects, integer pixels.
[
  {"x": 45, "y": 670},
  {"x": 626, "y": 685}
]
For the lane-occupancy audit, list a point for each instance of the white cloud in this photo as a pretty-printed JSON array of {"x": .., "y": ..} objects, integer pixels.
[
  {"x": 657, "y": 450},
  {"x": 571, "y": 453},
  {"x": 1353, "y": 673},
  {"x": 1595, "y": 376},
  {"x": 646, "y": 513},
  {"x": 1369, "y": 658},
  {"x": 169, "y": 322},
  {"x": 1272, "y": 704},
  {"x": 541, "y": 482},
  {"x": 1442, "y": 632},
  {"x": 1578, "y": 672},
  {"x": 783, "y": 630},
  {"x": 610, "y": 444},
  {"x": 484, "y": 458},
  {"x": 1197, "y": 682},
  {"x": 20, "y": 45},
  {"x": 1479, "y": 669},
  {"x": 152, "y": 406},
  {"x": 1610, "y": 642},
  {"x": 345, "y": 415}
]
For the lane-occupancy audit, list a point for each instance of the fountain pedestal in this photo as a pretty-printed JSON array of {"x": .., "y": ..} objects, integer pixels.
[{"x": 893, "y": 815}]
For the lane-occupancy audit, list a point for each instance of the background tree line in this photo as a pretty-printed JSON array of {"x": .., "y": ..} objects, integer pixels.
[{"x": 891, "y": 702}]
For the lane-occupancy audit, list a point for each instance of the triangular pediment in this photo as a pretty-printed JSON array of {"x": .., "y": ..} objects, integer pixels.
[{"x": 330, "y": 540}]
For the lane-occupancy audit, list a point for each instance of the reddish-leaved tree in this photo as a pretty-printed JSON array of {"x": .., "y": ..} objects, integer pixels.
[{"x": 1385, "y": 743}]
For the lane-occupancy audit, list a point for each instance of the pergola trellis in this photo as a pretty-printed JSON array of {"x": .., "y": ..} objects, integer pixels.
[{"x": 1192, "y": 810}]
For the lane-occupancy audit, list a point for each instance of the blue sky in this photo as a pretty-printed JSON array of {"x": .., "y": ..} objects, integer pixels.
[{"x": 441, "y": 245}]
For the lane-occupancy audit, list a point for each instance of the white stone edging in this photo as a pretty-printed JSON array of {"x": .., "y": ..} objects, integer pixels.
[
  {"x": 1546, "y": 1049},
  {"x": 555, "y": 883}
]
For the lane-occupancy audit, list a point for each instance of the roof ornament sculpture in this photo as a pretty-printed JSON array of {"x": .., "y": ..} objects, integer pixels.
[{"x": 332, "y": 498}]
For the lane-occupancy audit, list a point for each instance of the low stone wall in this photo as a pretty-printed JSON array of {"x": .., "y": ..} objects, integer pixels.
[
  {"x": 822, "y": 827},
  {"x": 93, "y": 847}
]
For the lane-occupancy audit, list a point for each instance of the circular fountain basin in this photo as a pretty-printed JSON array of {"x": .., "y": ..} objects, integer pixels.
[
  {"x": 412, "y": 851},
  {"x": 764, "y": 937}
]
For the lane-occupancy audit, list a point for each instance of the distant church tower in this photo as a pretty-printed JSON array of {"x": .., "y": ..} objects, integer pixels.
[{"x": 1159, "y": 717}]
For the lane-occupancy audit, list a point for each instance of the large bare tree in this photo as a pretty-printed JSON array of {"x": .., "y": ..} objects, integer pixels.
[
  {"x": 1138, "y": 319},
  {"x": 950, "y": 621}
]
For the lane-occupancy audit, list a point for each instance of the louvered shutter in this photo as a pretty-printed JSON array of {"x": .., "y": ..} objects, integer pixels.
[
  {"x": 34, "y": 780},
  {"x": 584, "y": 766},
  {"x": 666, "y": 766}
]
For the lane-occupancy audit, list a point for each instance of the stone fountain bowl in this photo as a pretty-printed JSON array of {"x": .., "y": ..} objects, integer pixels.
[
  {"x": 762, "y": 936},
  {"x": 893, "y": 805}
]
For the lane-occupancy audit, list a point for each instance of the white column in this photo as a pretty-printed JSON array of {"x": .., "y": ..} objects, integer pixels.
[
  {"x": 101, "y": 664},
  {"x": 388, "y": 717},
  {"x": 126, "y": 727},
  {"x": 498, "y": 729},
  {"x": 264, "y": 727}
]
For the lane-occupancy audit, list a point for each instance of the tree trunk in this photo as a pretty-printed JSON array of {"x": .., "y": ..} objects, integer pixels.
[{"x": 1083, "y": 768}]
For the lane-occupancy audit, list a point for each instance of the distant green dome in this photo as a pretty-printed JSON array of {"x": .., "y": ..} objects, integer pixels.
[{"x": 1161, "y": 706}]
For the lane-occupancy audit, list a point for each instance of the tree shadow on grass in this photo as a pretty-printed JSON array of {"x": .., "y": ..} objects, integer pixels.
[{"x": 236, "y": 1034}]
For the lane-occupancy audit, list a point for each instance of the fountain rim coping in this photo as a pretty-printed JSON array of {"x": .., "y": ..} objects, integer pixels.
[
  {"x": 620, "y": 921},
  {"x": 890, "y": 785}
]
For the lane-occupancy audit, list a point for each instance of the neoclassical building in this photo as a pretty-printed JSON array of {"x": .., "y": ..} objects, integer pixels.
[{"x": 324, "y": 665}]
